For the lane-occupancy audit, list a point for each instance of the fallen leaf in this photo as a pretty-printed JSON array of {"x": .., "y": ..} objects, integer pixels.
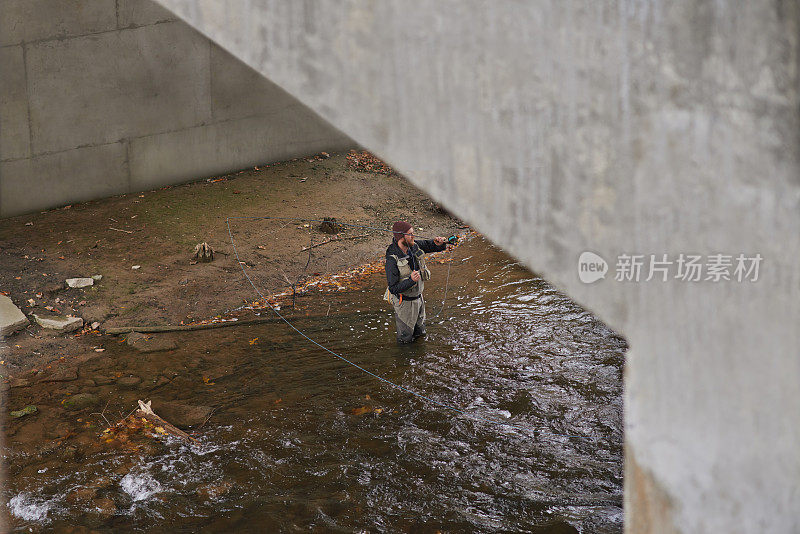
[{"x": 361, "y": 410}]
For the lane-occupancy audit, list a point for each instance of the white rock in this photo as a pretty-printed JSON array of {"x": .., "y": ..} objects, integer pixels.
[
  {"x": 80, "y": 282},
  {"x": 136, "y": 267},
  {"x": 95, "y": 325},
  {"x": 59, "y": 323},
  {"x": 11, "y": 317},
  {"x": 97, "y": 277}
]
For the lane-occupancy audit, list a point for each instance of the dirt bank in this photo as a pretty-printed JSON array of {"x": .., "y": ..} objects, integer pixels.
[{"x": 158, "y": 230}]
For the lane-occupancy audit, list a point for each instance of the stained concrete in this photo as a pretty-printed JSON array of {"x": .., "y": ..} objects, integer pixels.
[
  {"x": 77, "y": 175},
  {"x": 137, "y": 76},
  {"x": 131, "y": 13},
  {"x": 614, "y": 127},
  {"x": 103, "y": 97},
  {"x": 14, "y": 135},
  {"x": 33, "y": 20},
  {"x": 60, "y": 323}
]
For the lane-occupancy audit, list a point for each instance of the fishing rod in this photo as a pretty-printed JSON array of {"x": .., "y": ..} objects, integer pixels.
[{"x": 375, "y": 375}]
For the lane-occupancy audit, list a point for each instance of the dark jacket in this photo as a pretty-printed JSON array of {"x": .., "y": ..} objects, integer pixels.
[{"x": 397, "y": 286}]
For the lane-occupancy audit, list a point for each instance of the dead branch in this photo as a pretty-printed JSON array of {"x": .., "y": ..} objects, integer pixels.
[
  {"x": 187, "y": 327},
  {"x": 331, "y": 240},
  {"x": 147, "y": 412}
]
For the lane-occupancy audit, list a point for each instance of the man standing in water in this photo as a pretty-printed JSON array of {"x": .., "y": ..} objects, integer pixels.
[{"x": 406, "y": 275}]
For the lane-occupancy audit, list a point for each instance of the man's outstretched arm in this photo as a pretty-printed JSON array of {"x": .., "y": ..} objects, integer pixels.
[{"x": 431, "y": 245}]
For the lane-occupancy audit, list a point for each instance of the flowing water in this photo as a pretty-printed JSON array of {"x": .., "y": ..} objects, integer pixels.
[{"x": 301, "y": 441}]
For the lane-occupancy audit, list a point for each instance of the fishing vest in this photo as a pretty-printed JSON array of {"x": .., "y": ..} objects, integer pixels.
[{"x": 405, "y": 273}]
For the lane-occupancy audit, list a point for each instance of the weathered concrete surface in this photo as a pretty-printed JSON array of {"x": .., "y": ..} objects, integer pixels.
[
  {"x": 612, "y": 126},
  {"x": 101, "y": 97},
  {"x": 79, "y": 282},
  {"x": 60, "y": 323},
  {"x": 11, "y": 317}
]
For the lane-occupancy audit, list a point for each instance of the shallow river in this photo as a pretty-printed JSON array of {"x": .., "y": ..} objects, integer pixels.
[{"x": 302, "y": 441}]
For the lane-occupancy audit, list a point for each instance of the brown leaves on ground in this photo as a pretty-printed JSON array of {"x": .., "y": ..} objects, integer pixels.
[
  {"x": 119, "y": 436},
  {"x": 363, "y": 161}
]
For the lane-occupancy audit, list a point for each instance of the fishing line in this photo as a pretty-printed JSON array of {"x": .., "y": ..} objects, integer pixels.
[
  {"x": 370, "y": 373},
  {"x": 302, "y": 219},
  {"x": 446, "y": 285}
]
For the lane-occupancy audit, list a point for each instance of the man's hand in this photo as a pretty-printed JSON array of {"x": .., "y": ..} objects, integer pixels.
[
  {"x": 441, "y": 241},
  {"x": 415, "y": 276}
]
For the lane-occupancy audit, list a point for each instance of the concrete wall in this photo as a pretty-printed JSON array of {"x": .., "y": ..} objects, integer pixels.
[
  {"x": 101, "y": 97},
  {"x": 617, "y": 126}
]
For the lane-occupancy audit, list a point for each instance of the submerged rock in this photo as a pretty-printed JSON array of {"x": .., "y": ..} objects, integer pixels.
[
  {"x": 19, "y": 382},
  {"x": 102, "y": 380},
  {"x": 146, "y": 344},
  {"x": 80, "y": 401},
  {"x": 60, "y": 375},
  {"x": 27, "y": 410},
  {"x": 213, "y": 491},
  {"x": 11, "y": 317},
  {"x": 129, "y": 382},
  {"x": 154, "y": 383},
  {"x": 59, "y": 323},
  {"x": 81, "y": 495},
  {"x": 182, "y": 415},
  {"x": 105, "y": 507}
]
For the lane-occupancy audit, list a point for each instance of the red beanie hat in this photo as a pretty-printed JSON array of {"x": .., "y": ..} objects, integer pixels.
[{"x": 400, "y": 228}]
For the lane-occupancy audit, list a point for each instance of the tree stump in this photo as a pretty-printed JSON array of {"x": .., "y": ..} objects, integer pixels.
[
  {"x": 330, "y": 226},
  {"x": 203, "y": 252}
]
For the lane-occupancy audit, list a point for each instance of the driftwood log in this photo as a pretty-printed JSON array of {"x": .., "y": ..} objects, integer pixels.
[
  {"x": 333, "y": 240},
  {"x": 147, "y": 412},
  {"x": 187, "y": 327}
]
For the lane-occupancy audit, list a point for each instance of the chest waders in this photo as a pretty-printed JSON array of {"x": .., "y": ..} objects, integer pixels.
[
  {"x": 403, "y": 265},
  {"x": 409, "y": 311}
]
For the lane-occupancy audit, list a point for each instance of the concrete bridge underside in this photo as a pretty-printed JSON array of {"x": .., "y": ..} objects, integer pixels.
[{"x": 555, "y": 127}]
